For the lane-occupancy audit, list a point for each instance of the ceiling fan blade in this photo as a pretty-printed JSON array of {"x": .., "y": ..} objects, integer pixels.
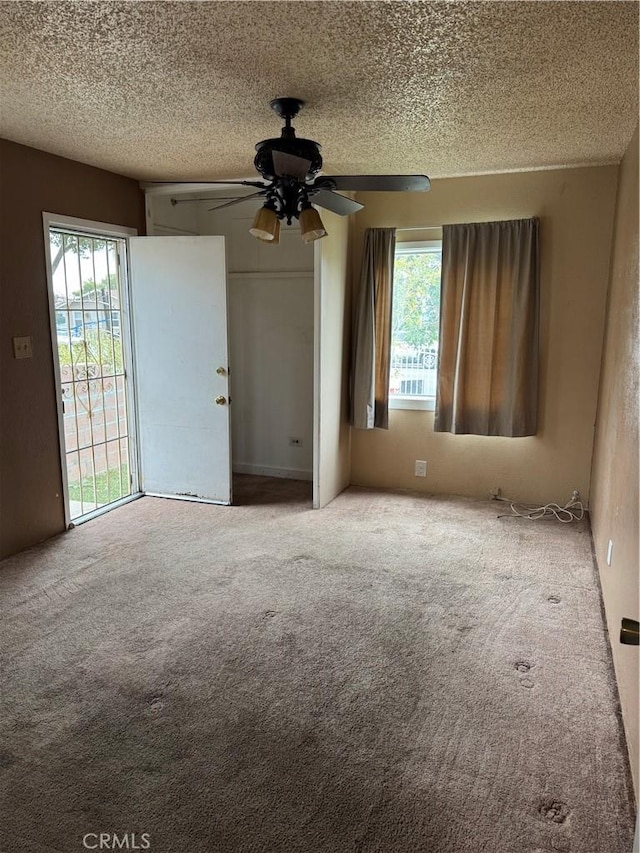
[
  {"x": 290, "y": 166},
  {"x": 334, "y": 202},
  {"x": 375, "y": 183},
  {"x": 237, "y": 200},
  {"x": 177, "y": 185},
  {"x": 175, "y": 201}
]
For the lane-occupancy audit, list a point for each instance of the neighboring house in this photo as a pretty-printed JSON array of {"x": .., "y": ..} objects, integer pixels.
[{"x": 75, "y": 315}]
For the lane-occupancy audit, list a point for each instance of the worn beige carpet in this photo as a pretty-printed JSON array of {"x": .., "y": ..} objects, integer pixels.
[{"x": 394, "y": 673}]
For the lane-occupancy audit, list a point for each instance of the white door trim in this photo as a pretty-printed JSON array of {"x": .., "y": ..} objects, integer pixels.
[
  {"x": 87, "y": 226},
  {"x": 103, "y": 229}
]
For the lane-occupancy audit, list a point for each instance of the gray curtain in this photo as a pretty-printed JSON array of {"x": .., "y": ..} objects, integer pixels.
[
  {"x": 371, "y": 333},
  {"x": 488, "y": 349}
]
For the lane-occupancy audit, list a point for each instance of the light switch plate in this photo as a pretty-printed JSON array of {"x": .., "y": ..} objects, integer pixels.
[{"x": 22, "y": 347}]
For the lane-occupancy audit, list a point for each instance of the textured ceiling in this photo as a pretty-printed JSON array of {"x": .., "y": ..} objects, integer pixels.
[{"x": 181, "y": 90}]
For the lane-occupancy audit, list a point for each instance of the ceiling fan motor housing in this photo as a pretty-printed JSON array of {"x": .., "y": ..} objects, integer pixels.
[{"x": 288, "y": 143}]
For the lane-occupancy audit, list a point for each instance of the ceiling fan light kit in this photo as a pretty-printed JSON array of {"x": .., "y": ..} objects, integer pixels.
[
  {"x": 290, "y": 167},
  {"x": 266, "y": 225},
  {"x": 275, "y": 239},
  {"x": 311, "y": 226}
]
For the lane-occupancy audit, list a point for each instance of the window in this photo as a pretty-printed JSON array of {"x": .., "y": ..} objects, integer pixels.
[{"x": 414, "y": 325}]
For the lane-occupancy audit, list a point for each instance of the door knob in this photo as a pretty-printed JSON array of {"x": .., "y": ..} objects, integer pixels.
[
  {"x": 220, "y": 400},
  {"x": 221, "y": 371}
]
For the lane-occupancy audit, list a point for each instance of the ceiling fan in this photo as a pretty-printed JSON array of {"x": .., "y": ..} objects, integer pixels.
[{"x": 291, "y": 183}]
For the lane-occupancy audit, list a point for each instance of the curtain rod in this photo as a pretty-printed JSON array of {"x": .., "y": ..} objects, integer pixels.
[{"x": 421, "y": 228}]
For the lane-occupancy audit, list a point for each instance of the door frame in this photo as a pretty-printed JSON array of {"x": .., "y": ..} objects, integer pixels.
[
  {"x": 153, "y": 191},
  {"x": 108, "y": 230},
  {"x": 327, "y": 483}
]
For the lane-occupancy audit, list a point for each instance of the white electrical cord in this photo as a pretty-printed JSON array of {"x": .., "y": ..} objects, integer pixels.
[{"x": 573, "y": 510}]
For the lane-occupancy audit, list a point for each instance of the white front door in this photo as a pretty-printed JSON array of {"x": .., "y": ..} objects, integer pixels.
[{"x": 179, "y": 298}]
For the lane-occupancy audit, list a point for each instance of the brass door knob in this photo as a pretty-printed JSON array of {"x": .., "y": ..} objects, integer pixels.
[
  {"x": 220, "y": 400},
  {"x": 221, "y": 371}
]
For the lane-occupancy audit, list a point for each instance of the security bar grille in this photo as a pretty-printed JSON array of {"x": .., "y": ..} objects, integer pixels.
[{"x": 90, "y": 340}]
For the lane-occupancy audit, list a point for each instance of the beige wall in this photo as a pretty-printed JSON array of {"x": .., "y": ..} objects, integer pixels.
[
  {"x": 575, "y": 207},
  {"x": 332, "y": 433},
  {"x": 614, "y": 500},
  {"x": 31, "y": 504}
]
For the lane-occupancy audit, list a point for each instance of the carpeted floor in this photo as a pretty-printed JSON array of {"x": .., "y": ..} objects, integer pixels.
[{"x": 395, "y": 673}]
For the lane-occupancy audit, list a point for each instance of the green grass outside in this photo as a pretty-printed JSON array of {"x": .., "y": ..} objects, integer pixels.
[{"x": 107, "y": 485}]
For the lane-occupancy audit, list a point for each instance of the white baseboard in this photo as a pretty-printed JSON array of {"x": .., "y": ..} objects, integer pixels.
[{"x": 266, "y": 471}]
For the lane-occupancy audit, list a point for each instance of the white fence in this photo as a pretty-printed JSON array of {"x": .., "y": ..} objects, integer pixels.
[{"x": 414, "y": 371}]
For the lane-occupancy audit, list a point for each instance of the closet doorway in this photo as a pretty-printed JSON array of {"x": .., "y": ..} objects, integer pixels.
[{"x": 270, "y": 298}]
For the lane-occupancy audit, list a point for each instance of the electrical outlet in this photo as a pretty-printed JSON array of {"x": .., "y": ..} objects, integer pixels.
[
  {"x": 609, "y": 552},
  {"x": 295, "y": 442},
  {"x": 495, "y": 493},
  {"x": 421, "y": 468},
  {"x": 22, "y": 347}
]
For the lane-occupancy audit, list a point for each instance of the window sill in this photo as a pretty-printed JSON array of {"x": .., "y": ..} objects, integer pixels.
[{"x": 425, "y": 404}]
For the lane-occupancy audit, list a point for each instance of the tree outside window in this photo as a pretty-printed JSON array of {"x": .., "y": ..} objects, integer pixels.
[{"x": 415, "y": 320}]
